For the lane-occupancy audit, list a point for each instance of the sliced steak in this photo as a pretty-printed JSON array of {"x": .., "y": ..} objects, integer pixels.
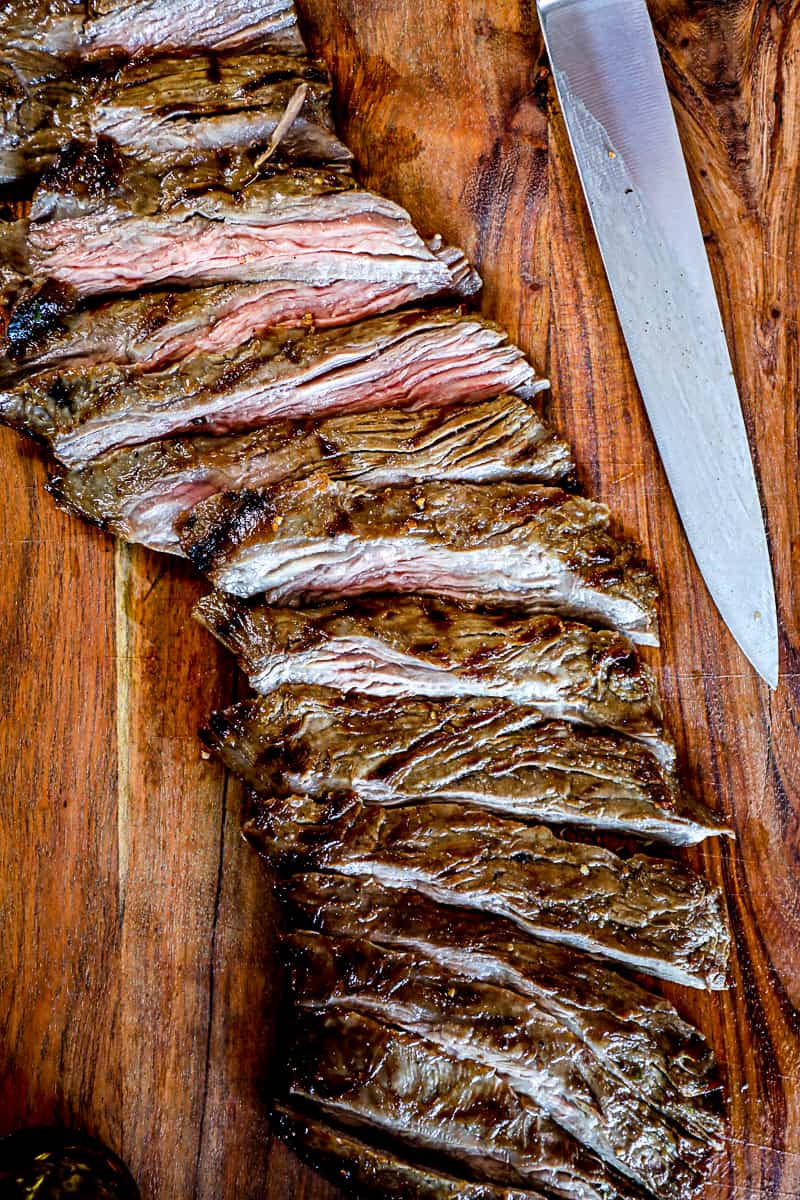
[
  {"x": 529, "y": 546},
  {"x": 160, "y": 327},
  {"x": 415, "y": 359},
  {"x": 173, "y": 108},
  {"x": 140, "y": 493},
  {"x": 499, "y": 1029},
  {"x": 650, "y": 914},
  {"x": 350, "y": 1161},
  {"x": 177, "y": 107},
  {"x": 483, "y": 752},
  {"x": 410, "y": 646},
  {"x": 41, "y": 26},
  {"x": 104, "y": 223},
  {"x": 42, "y": 105},
  {"x": 396, "y": 1083},
  {"x": 636, "y": 1036},
  {"x": 91, "y": 27}
]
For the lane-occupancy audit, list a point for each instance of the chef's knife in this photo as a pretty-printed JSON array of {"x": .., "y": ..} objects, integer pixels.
[{"x": 614, "y": 98}]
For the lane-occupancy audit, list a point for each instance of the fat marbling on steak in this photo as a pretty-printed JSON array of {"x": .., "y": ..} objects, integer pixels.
[
  {"x": 388, "y": 1081},
  {"x": 422, "y": 646},
  {"x": 413, "y": 359},
  {"x": 636, "y": 1036},
  {"x": 379, "y": 1170},
  {"x": 650, "y": 914},
  {"x": 488, "y": 753},
  {"x": 140, "y": 493},
  {"x": 508, "y": 544},
  {"x": 103, "y": 222},
  {"x": 499, "y": 1029}
]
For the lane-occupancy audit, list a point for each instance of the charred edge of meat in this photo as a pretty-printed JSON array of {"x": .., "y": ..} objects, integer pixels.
[
  {"x": 89, "y": 169},
  {"x": 363, "y": 1164},
  {"x": 248, "y": 508},
  {"x": 36, "y": 316}
]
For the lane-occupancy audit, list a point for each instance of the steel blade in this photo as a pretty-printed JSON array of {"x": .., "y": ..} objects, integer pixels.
[{"x": 614, "y": 97}]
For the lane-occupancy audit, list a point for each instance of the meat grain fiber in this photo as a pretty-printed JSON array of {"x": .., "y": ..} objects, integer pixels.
[
  {"x": 414, "y": 359},
  {"x": 47, "y": 328},
  {"x": 140, "y": 25},
  {"x": 101, "y": 222},
  {"x": 377, "y": 1170},
  {"x": 397, "y": 1084},
  {"x": 529, "y": 546},
  {"x": 88, "y": 28},
  {"x": 489, "y": 753},
  {"x": 635, "y": 1035},
  {"x": 141, "y": 493},
  {"x": 650, "y": 914},
  {"x": 179, "y": 107},
  {"x": 501, "y": 1031},
  {"x": 412, "y": 646}
]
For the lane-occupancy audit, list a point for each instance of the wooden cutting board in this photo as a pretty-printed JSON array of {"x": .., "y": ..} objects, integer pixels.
[{"x": 137, "y": 975}]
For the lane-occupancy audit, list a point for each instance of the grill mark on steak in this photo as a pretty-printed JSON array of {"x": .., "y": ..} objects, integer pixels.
[
  {"x": 509, "y": 544},
  {"x": 140, "y": 493},
  {"x": 489, "y": 753},
  {"x": 650, "y": 914},
  {"x": 500, "y": 1030},
  {"x": 367, "y": 1075}
]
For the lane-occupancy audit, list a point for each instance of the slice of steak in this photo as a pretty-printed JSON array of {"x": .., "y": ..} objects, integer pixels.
[
  {"x": 177, "y": 107},
  {"x": 350, "y": 1161},
  {"x": 510, "y": 1034},
  {"x": 140, "y": 493},
  {"x": 412, "y": 646},
  {"x": 650, "y": 914},
  {"x": 636, "y": 1036},
  {"x": 398, "y": 1084},
  {"x": 141, "y": 25},
  {"x": 42, "y": 105},
  {"x": 160, "y": 327},
  {"x": 489, "y": 753},
  {"x": 97, "y": 27},
  {"x": 42, "y": 26},
  {"x": 104, "y": 223},
  {"x": 173, "y": 108},
  {"x": 414, "y": 359},
  {"x": 522, "y": 545}
]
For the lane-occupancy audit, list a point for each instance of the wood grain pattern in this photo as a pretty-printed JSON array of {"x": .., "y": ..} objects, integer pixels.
[{"x": 136, "y": 931}]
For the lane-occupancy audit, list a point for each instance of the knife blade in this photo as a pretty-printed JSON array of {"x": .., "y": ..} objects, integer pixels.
[{"x": 614, "y": 99}]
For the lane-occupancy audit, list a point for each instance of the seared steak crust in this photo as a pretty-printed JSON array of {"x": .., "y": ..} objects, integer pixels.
[
  {"x": 502, "y": 1031},
  {"x": 97, "y": 27},
  {"x": 351, "y": 1162},
  {"x": 411, "y": 646},
  {"x": 650, "y": 914},
  {"x": 389, "y": 1081},
  {"x": 636, "y": 1036},
  {"x": 140, "y": 493},
  {"x": 535, "y": 547},
  {"x": 486, "y": 752}
]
